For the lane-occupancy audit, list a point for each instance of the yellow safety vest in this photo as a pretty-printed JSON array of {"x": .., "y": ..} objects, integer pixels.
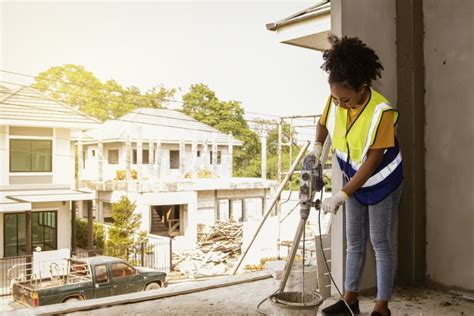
[{"x": 352, "y": 144}]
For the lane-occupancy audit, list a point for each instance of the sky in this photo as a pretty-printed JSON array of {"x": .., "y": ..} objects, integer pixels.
[{"x": 224, "y": 45}]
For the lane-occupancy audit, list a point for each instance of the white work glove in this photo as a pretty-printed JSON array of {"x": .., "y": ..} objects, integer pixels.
[
  {"x": 331, "y": 204},
  {"x": 316, "y": 151}
]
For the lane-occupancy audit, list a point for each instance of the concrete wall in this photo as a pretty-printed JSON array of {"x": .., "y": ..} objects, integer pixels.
[
  {"x": 449, "y": 140},
  {"x": 373, "y": 21}
]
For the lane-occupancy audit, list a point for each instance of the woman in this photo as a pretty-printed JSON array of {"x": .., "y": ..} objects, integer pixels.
[{"x": 361, "y": 124}]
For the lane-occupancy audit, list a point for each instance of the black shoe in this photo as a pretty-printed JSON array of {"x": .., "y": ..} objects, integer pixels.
[
  {"x": 340, "y": 309},
  {"x": 375, "y": 313}
]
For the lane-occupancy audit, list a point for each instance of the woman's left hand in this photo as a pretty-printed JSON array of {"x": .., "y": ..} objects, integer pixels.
[{"x": 331, "y": 204}]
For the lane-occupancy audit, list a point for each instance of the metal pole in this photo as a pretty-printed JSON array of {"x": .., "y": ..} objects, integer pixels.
[
  {"x": 73, "y": 226},
  {"x": 272, "y": 204}
]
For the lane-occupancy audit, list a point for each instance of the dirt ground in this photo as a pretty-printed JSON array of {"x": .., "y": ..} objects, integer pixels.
[{"x": 243, "y": 299}]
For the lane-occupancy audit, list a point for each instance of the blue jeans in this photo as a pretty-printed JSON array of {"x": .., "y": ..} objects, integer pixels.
[{"x": 376, "y": 221}]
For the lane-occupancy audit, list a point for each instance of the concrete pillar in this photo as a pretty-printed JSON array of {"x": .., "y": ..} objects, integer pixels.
[
  {"x": 194, "y": 158},
  {"x": 90, "y": 226},
  {"x": 263, "y": 141},
  {"x": 139, "y": 154},
  {"x": 73, "y": 226},
  {"x": 151, "y": 151},
  {"x": 100, "y": 158},
  {"x": 411, "y": 132},
  {"x": 80, "y": 156},
  {"x": 345, "y": 21},
  {"x": 230, "y": 154},
  {"x": 128, "y": 156},
  {"x": 205, "y": 155},
  {"x": 214, "y": 155},
  {"x": 157, "y": 162},
  {"x": 182, "y": 155},
  {"x": 29, "y": 233}
]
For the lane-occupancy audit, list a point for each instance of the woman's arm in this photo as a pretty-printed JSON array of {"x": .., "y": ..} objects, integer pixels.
[
  {"x": 321, "y": 133},
  {"x": 374, "y": 158}
]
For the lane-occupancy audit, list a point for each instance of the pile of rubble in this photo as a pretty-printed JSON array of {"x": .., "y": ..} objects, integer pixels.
[{"x": 217, "y": 252}]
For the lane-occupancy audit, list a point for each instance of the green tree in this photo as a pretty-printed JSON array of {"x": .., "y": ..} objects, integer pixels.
[
  {"x": 123, "y": 237},
  {"x": 202, "y": 104},
  {"x": 81, "y": 234},
  {"x": 80, "y": 88}
]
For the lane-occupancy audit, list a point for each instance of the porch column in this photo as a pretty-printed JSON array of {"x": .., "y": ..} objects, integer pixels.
[
  {"x": 151, "y": 150},
  {"x": 73, "y": 226},
  {"x": 214, "y": 155},
  {"x": 263, "y": 141},
  {"x": 128, "y": 159},
  {"x": 194, "y": 157},
  {"x": 80, "y": 157},
  {"x": 29, "y": 235},
  {"x": 157, "y": 165},
  {"x": 139, "y": 154},
  {"x": 100, "y": 158},
  {"x": 90, "y": 226},
  {"x": 205, "y": 154},
  {"x": 230, "y": 153},
  {"x": 182, "y": 151}
]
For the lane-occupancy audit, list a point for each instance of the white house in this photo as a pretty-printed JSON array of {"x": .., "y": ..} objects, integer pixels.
[
  {"x": 177, "y": 170},
  {"x": 37, "y": 172}
]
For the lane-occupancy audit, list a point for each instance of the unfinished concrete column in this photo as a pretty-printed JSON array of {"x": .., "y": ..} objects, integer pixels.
[
  {"x": 128, "y": 158},
  {"x": 214, "y": 155},
  {"x": 100, "y": 158},
  {"x": 90, "y": 226},
  {"x": 182, "y": 155},
  {"x": 73, "y": 226},
  {"x": 205, "y": 154},
  {"x": 157, "y": 163},
  {"x": 151, "y": 150},
  {"x": 139, "y": 154},
  {"x": 80, "y": 156},
  {"x": 230, "y": 154},
  {"x": 194, "y": 157},
  {"x": 263, "y": 141}
]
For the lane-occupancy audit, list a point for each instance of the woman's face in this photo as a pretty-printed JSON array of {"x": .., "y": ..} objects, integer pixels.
[{"x": 345, "y": 97}]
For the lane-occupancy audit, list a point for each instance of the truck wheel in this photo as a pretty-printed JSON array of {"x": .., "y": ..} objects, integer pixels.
[
  {"x": 72, "y": 299},
  {"x": 152, "y": 286}
]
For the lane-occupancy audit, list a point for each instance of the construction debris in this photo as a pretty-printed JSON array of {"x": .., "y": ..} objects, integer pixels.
[{"x": 217, "y": 251}]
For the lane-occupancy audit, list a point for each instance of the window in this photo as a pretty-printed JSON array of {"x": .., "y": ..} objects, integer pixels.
[
  {"x": 92, "y": 152},
  {"x": 44, "y": 232},
  {"x": 174, "y": 159},
  {"x": 120, "y": 269},
  {"x": 145, "y": 157},
  {"x": 113, "y": 156},
  {"x": 101, "y": 274},
  {"x": 198, "y": 154},
  {"x": 28, "y": 155},
  {"x": 219, "y": 157}
]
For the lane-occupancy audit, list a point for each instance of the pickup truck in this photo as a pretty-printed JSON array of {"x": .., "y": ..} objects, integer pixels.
[{"x": 84, "y": 279}]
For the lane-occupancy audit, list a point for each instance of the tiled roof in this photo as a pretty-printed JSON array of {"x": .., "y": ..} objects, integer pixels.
[
  {"x": 29, "y": 107},
  {"x": 157, "y": 124}
]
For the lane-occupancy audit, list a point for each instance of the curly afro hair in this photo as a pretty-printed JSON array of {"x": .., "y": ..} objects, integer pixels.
[{"x": 351, "y": 63}]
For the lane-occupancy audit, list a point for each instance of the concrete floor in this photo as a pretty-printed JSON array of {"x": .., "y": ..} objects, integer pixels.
[{"x": 242, "y": 300}]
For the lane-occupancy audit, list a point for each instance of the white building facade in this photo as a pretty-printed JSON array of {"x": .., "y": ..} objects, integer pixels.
[
  {"x": 177, "y": 171},
  {"x": 37, "y": 172}
]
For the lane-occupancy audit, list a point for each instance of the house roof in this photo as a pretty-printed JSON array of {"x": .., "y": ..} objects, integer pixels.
[
  {"x": 29, "y": 107},
  {"x": 157, "y": 124},
  {"x": 317, "y": 9}
]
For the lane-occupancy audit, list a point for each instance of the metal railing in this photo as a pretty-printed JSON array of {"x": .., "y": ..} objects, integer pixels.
[{"x": 155, "y": 254}]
